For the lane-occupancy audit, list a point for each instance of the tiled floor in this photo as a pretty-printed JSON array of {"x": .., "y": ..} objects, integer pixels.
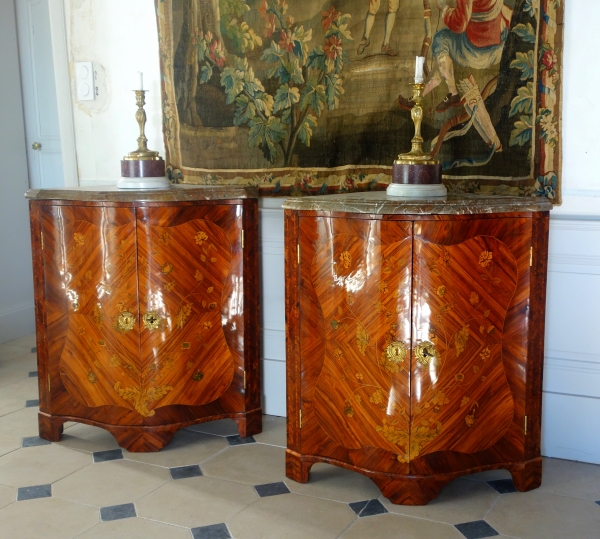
[{"x": 210, "y": 484}]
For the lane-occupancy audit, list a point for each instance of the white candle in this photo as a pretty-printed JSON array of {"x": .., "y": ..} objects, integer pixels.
[
  {"x": 419, "y": 70},
  {"x": 140, "y": 85}
]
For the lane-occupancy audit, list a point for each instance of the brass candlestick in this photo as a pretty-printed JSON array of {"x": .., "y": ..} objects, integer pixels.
[
  {"x": 142, "y": 153},
  {"x": 417, "y": 173},
  {"x": 417, "y": 156}
]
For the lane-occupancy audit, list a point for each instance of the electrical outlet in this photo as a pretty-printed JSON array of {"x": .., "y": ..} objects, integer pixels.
[{"x": 84, "y": 79}]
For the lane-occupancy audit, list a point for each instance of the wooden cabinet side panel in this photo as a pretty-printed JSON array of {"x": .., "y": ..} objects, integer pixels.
[
  {"x": 537, "y": 325},
  {"x": 515, "y": 235}
]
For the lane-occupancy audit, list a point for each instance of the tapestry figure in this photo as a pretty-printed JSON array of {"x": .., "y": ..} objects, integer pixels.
[
  {"x": 475, "y": 37},
  {"x": 390, "y": 19}
]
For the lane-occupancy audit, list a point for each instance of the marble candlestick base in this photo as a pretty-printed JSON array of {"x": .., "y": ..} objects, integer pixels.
[
  {"x": 143, "y": 174},
  {"x": 417, "y": 180}
]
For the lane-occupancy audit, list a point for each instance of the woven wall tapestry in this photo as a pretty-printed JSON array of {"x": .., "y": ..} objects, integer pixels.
[{"x": 305, "y": 97}]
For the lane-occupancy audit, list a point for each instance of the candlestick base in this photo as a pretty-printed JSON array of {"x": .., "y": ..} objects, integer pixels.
[
  {"x": 144, "y": 183},
  {"x": 416, "y": 190}
]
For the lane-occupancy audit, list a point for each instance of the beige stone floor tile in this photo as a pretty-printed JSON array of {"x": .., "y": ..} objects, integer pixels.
[
  {"x": 197, "y": 501},
  {"x": 534, "y": 515},
  {"x": 21, "y": 423},
  {"x": 14, "y": 371},
  {"x": 392, "y": 526},
  {"x": 252, "y": 464},
  {"x": 459, "y": 501},
  {"x": 8, "y": 444},
  {"x": 274, "y": 431},
  {"x": 48, "y": 518},
  {"x": 335, "y": 483},
  {"x": 135, "y": 528},
  {"x": 14, "y": 396},
  {"x": 185, "y": 448},
  {"x": 9, "y": 353},
  {"x": 111, "y": 483},
  {"x": 292, "y": 516},
  {"x": 87, "y": 438},
  {"x": 569, "y": 478},
  {"x": 40, "y": 465},
  {"x": 220, "y": 427},
  {"x": 8, "y": 495}
]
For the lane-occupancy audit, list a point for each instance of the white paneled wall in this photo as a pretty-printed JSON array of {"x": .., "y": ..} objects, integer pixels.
[
  {"x": 272, "y": 305},
  {"x": 571, "y": 404},
  {"x": 571, "y": 401}
]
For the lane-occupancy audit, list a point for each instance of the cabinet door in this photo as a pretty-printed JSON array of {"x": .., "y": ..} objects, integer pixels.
[
  {"x": 91, "y": 294},
  {"x": 192, "y": 308},
  {"x": 470, "y": 309},
  {"x": 355, "y": 283}
]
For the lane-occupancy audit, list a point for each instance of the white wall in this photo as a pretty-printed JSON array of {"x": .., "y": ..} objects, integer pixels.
[
  {"x": 121, "y": 38},
  {"x": 16, "y": 282}
]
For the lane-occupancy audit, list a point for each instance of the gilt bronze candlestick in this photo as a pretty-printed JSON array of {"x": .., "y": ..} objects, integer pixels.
[
  {"x": 417, "y": 173},
  {"x": 142, "y": 168}
]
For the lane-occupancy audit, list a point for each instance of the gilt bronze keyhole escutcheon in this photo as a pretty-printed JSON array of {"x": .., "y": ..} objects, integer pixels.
[
  {"x": 125, "y": 321},
  {"x": 425, "y": 352},
  {"x": 396, "y": 352},
  {"x": 151, "y": 320}
]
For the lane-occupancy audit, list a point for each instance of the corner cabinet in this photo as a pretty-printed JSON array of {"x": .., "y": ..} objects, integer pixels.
[
  {"x": 147, "y": 310},
  {"x": 415, "y": 338}
]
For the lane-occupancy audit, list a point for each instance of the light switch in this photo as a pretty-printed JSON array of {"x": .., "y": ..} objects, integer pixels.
[{"x": 84, "y": 80}]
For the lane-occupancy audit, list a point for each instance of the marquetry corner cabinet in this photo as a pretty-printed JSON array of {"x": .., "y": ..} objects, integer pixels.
[
  {"x": 146, "y": 310},
  {"x": 415, "y": 338}
]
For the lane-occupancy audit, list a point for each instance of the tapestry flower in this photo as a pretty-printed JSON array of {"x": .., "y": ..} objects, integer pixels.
[{"x": 329, "y": 17}]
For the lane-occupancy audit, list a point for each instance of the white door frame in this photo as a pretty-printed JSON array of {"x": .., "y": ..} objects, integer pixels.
[{"x": 64, "y": 100}]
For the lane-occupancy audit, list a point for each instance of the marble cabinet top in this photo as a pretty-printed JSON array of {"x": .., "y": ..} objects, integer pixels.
[
  {"x": 177, "y": 193},
  {"x": 379, "y": 203}
]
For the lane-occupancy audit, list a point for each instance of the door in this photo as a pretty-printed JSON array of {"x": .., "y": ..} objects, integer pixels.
[
  {"x": 469, "y": 340},
  {"x": 39, "y": 94},
  {"x": 355, "y": 287},
  {"x": 91, "y": 292},
  {"x": 192, "y": 308}
]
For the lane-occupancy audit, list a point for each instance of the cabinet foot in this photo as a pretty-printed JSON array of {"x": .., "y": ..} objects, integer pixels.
[
  {"x": 142, "y": 440},
  {"x": 410, "y": 491},
  {"x": 50, "y": 428},
  {"x": 528, "y": 475},
  {"x": 250, "y": 424},
  {"x": 297, "y": 467}
]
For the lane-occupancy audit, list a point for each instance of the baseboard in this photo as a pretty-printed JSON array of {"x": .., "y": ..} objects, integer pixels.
[{"x": 17, "y": 322}]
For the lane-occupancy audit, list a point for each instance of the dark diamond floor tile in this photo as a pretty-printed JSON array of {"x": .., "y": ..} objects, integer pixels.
[
  {"x": 32, "y": 403},
  {"x": 271, "y": 489},
  {"x": 33, "y": 441},
  {"x": 372, "y": 508},
  {"x": 34, "y": 350},
  {"x": 238, "y": 440},
  {"x": 117, "y": 512},
  {"x": 183, "y": 472},
  {"x": 215, "y": 531},
  {"x": 598, "y": 503},
  {"x": 105, "y": 456},
  {"x": 33, "y": 493},
  {"x": 357, "y": 507},
  {"x": 478, "y": 529},
  {"x": 33, "y": 374},
  {"x": 503, "y": 486}
]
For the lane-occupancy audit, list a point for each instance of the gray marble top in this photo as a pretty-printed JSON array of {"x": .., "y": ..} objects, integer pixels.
[
  {"x": 177, "y": 193},
  {"x": 378, "y": 202}
]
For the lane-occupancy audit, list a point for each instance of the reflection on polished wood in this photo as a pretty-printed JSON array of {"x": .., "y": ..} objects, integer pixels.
[
  {"x": 147, "y": 316},
  {"x": 410, "y": 343}
]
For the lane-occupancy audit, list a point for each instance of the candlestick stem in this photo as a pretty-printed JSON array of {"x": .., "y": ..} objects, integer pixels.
[
  {"x": 416, "y": 154},
  {"x": 142, "y": 152}
]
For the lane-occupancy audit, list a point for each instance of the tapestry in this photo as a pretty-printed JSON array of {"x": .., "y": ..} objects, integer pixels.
[{"x": 305, "y": 97}]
